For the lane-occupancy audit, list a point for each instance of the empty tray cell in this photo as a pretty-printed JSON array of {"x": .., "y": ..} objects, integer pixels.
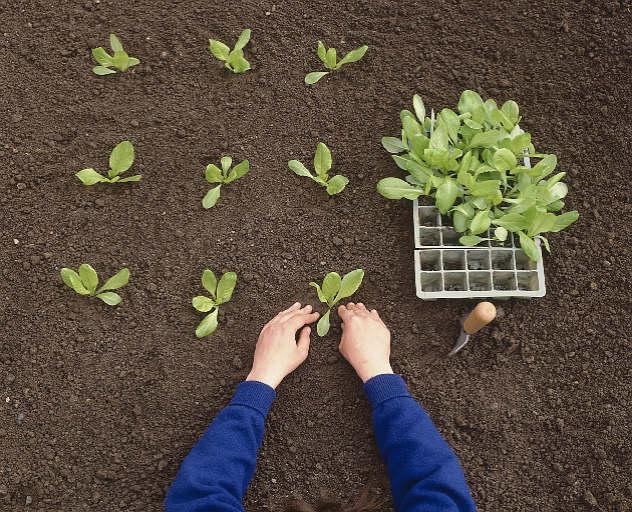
[
  {"x": 428, "y": 217},
  {"x": 478, "y": 260},
  {"x": 455, "y": 281},
  {"x": 429, "y": 236},
  {"x": 502, "y": 259},
  {"x": 528, "y": 281},
  {"x": 430, "y": 260},
  {"x": 445, "y": 220},
  {"x": 504, "y": 281},
  {"x": 523, "y": 262},
  {"x": 480, "y": 281},
  {"x": 450, "y": 237},
  {"x": 430, "y": 282},
  {"x": 454, "y": 260}
]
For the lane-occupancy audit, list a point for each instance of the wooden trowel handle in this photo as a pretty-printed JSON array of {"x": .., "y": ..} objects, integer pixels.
[{"x": 481, "y": 315}]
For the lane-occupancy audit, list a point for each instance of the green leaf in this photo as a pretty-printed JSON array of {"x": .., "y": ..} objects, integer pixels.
[
  {"x": 330, "y": 58},
  {"x": 118, "y": 280},
  {"x": 209, "y": 282},
  {"x": 541, "y": 222},
  {"x": 336, "y": 184},
  {"x": 419, "y": 108},
  {"x": 501, "y": 233},
  {"x": 485, "y": 139},
  {"x": 511, "y": 110},
  {"x": 218, "y": 49},
  {"x": 101, "y": 56},
  {"x": 73, "y": 281},
  {"x": 513, "y": 222},
  {"x": 89, "y": 277},
  {"x": 312, "y": 78},
  {"x": 322, "y": 160},
  {"x": 298, "y": 168},
  {"x": 504, "y": 160},
  {"x": 110, "y": 298},
  {"x": 133, "y": 61},
  {"x": 545, "y": 242},
  {"x": 319, "y": 291},
  {"x": 120, "y": 60},
  {"x": 237, "y": 63},
  {"x": 90, "y": 177},
  {"x": 353, "y": 56},
  {"x": 243, "y": 39},
  {"x": 470, "y": 240},
  {"x": 213, "y": 174},
  {"x": 136, "y": 177},
  {"x": 240, "y": 170},
  {"x": 211, "y": 197},
  {"x": 395, "y": 188},
  {"x": 208, "y": 325},
  {"x": 322, "y": 52},
  {"x": 439, "y": 137},
  {"x": 469, "y": 101},
  {"x": 545, "y": 166},
  {"x": 331, "y": 286},
  {"x": 322, "y": 327},
  {"x": 393, "y": 145},
  {"x": 446, "y": 195},
  {"x": 121, "y": 158},
  {"x": 226, "y": 162},
  {"x": 202, "y": 304},
  {"x": 480, "y": 223},
  {"x": 225, "y": 287},
  {"x": 528, "y": 246},
  {"x": 484, "y": 188},
  {"x": 115, "y": 43},
  {"x": 102, "y": 70},
  {"x": 564, "y": 220},
  {"x": 349, "y": 285}
]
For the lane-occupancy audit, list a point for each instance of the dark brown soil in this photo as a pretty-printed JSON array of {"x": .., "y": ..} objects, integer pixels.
[{"x": 100, "y": 404}]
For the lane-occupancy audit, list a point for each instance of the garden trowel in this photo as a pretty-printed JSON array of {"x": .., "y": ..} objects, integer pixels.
[{"x": 481, "y": 315}]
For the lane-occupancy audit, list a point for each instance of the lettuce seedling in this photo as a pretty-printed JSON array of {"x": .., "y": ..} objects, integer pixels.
[
  {"x": 333, "y": 290},
  {"x": 86, "y": 281},
  {"x": 120, "y": 61},
  {"x": 221, "y": 292},
  {"x": 469, "y": 161},
  {"x": 223, "y": 176},
  {"x": 121, "y": 159},
  {"x": 233, "y": 59},
  {"x": 322, "y": 165},
  {"x": 328, "y": 57}
]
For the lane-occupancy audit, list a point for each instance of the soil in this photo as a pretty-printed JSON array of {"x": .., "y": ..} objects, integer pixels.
[{"x": 100, "y": 404}]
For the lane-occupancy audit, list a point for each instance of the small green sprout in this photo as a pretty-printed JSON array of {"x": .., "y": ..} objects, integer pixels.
[
  {"x": 233, "y": 59},
  {"x": 221, "y": 292},
  {"x": 86, "y": 281},
  {"x": 120, "y": 61},
  {"x": 333, "y": 290},
  {"x": 223, "y": 176},
  {"x": 121, "y": 159},
  {"x": 322, "y": 164},
  {"x": 328, "y": 56}
]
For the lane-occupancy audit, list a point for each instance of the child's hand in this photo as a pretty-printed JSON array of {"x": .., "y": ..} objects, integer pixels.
[
  {"x": 366, "y": 341},
  {"x": 278, "y": 353}
]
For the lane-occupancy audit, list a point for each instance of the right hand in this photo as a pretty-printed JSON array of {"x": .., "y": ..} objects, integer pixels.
[{"x": 366, "y": 341}]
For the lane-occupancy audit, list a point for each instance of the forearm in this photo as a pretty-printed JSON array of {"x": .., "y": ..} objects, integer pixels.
[
  {"x": 423, "y": 470},
  {"x": 217, "y": 471}
]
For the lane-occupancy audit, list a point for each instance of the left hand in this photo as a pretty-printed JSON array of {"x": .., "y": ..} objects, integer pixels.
[{"x": 278, "y": 353}]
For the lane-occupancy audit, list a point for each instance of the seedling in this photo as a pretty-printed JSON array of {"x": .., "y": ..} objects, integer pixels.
[
  {"x": 120, "y": 61},
  {"x": 221, "y": 292},
  {"x": 233, "y": 59},
  {"x": 322, "y": 165},
  {"x": 333, "y": 290},
  {"x": 328, "y": 56},
  {"x": 86, "y": 281},
  {"x": 121, "y": 159},
  {"x": 223, "y": 176}
]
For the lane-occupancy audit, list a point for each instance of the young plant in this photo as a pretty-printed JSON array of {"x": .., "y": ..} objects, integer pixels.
[
  {"x": 121, "y": 159},
  {"x": 221, "y": 292},
  {"x": 86, "y": 281},
  {"x": 120, "y": 61},
  {"x": 233, "y": 59},
  {"x": 333, "y": 290},
  {"x": 223, "y": 176},
  {"x": 328, "y": 57},
  {"x": 322, "y": 165},
  {"x": 469, "y": 161}
]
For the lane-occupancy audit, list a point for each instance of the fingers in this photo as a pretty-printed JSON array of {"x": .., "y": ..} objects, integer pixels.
[
  {"x": 299, "y": 320},
  {"x": 343, "y": 312},
  {"x": 303, "y": 340}
]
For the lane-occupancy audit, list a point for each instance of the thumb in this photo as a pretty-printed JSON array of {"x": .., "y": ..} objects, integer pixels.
[{"x": 303, "y": 340}]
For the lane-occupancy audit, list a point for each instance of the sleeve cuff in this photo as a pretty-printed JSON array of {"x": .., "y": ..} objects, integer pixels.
[
  {"x": 381, "y": 388},
  {"x": 256, "y": 395}
]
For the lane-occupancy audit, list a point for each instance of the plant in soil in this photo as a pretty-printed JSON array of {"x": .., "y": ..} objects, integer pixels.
[
  {"x": 121, "y": 159},
  {"x": 110, "y": 64},
  {"x": 469, "y": 162},
  {"x": 333, "y": 290},
  {"x": 233, "y": 59},
  {"x": 329, "y": 58},
  {"x": 220, "y": 293},
  {"x": 322, "y": 165},
  {"x": 222, "y": 176},
  {"x": 86, "y": 281}
]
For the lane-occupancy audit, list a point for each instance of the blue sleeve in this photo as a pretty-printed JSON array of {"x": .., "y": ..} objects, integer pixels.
[
  {"x": 214, "y": 476},
  {"x": 425, "y": 474}
]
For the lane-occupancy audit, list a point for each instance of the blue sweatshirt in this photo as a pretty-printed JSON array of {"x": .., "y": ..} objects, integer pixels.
[{"x": 425, "y": 474}]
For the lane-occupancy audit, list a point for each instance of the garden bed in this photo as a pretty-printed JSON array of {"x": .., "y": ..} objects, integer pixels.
[{"x": 100, "y": 403}]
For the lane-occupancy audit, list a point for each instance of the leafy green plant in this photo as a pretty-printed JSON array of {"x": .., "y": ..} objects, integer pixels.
[
  {"x": 221, "y": 292},
  {"x": 121, "y": 159},
  {"x": 333, "y": 290},
  {"x": 322, "y": 165},
  {"x": 469, "y": 162},
  {"x": 329, "y": 58},
  {"x": 86, "y": 281},
  {"x": 223, "y": 176},
  {"x": 120, "y": 60},
  {"x": 233, "y": 59}
]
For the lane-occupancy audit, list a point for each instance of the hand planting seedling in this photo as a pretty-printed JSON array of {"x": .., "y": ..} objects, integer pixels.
[
  {"x": 322, "y": 165},
  {"x": 233, "y": 59},
  {"x": 469, "y": 162},
  {"x": 120, "y": 61},
  {"x": 121, "y": 159},
  {"x": 221, "y": 292},
  {"x": 86, "y": 281},
  {"x": 223, "y": 176},
  {"x": 328, "y": 56},
  {"x": 333, "y": 290}
]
